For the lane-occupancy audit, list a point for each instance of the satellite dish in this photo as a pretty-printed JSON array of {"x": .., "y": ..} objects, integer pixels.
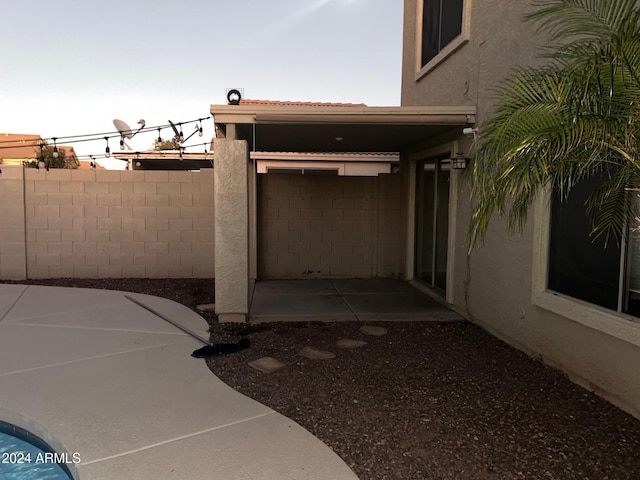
[
  {"x": 125, "y": 130},
  {"x": 179, "y": 136}
]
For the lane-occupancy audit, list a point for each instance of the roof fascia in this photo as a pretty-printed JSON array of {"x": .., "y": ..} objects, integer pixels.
[{"x": 248, "y": 114}]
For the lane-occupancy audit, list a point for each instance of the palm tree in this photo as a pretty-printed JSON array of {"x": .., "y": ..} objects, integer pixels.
[{"x": 572, "y": 119}]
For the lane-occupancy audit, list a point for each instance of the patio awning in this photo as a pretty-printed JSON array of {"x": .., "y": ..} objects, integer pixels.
[{"x": 291, "y": 127}]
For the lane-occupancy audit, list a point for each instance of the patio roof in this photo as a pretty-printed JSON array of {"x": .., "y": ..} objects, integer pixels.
[{"x": 299, "y": 127}]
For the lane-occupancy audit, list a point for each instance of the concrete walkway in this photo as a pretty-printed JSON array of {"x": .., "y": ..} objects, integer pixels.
[{"x": 93, "y": 373}]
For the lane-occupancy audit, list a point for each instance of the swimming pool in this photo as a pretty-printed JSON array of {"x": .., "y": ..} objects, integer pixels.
[{"x": 25, "y": 456}]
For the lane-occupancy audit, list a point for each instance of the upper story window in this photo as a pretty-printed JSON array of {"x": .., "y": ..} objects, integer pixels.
[{"x": 441, "y": 24}]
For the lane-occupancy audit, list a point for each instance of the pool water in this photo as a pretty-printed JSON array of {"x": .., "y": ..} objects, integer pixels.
[{"x": 21, "y": 460}]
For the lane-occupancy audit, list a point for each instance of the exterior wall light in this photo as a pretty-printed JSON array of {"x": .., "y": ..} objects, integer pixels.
[{"x": 459, "y": 162}]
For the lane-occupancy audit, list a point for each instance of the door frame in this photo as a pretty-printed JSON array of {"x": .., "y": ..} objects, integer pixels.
[{"x": 455, "y": 253}]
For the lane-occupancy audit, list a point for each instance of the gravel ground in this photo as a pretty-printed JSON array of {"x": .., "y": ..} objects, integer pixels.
[{"x": 424, "y": 401}]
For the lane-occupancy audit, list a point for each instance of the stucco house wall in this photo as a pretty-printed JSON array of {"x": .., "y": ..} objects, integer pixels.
[{"x": 501, "y": 285}]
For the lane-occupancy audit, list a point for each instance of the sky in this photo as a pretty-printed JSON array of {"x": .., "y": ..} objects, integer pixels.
[{"x": 69, "y": 67}]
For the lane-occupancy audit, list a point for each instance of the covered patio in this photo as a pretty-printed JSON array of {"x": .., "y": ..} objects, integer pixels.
[{"x": 289, "y": 127}]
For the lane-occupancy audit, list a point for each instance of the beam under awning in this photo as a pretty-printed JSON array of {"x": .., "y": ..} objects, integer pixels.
[{"x": 286, "y": 128}]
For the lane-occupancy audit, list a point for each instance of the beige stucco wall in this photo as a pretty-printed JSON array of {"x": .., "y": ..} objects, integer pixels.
[
  {"x": 100, "y": 224},
  {"x": 329, "y": 226},
  {"x": 232, "y": 230},
  {"x": 498, "y": 40},
  {"x": 494, "y": 287}
]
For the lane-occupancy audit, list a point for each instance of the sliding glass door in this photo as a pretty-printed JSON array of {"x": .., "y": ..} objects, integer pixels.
[{"x": 432, "y": 222}]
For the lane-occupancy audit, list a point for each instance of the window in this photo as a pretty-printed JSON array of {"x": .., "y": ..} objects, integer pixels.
[
  {"x": 441, "y": 24},
  {"x": 602, "y": 274}
]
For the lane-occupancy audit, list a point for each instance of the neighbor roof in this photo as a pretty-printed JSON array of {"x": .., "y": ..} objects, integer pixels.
[{"x": 18, "y": 146}]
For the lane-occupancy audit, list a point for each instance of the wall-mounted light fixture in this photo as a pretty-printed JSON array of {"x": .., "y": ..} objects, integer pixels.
[{"x": 459, "y": 162}]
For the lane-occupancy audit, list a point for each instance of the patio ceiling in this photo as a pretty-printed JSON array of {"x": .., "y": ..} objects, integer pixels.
[{"x": 318, "y": 128}]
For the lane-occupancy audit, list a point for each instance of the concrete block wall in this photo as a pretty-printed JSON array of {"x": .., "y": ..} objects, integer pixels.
[
  {"x": 115, "y": 224},
  {"x": 13, "y": 264},
  {"x": 391, "y": 246},
  {"x": 325, "y": 226}
]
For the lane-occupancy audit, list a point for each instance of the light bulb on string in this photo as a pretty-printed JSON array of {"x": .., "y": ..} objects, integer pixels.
[
  {"x": 107, "y": 151},
  {"x": 40, "y": 159},
  {"x": 55, "y": 148}
]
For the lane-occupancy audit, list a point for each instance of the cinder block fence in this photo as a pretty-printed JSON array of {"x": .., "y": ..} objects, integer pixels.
[
  {"x": 106, "y": 224},
  {"x": 160, "y": 224}
]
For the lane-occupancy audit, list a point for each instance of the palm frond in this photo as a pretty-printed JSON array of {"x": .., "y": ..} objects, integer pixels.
[{"x": 576, "y": 117}]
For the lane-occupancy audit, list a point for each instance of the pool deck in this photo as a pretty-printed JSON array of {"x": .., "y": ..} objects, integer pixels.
[{"x": 96, "y": 375}]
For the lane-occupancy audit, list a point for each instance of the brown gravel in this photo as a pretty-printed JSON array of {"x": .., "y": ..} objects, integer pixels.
[{"x": 425, "y": 401}]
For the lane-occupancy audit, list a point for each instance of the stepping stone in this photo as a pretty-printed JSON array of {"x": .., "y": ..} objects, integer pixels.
[
  {"x": 349, "y": 343},
  {"x": 207, "y": 307},
  {"x": 376, "y": 331},
  {"x": 267, "y": 364},
  {"x": 315, "y": 354}
]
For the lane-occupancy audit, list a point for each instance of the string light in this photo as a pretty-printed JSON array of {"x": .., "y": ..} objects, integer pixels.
[
  {"x": 42, "y": 142},
  {"x": 91, "y": 137},
  {"x": 40, "y": 161}
]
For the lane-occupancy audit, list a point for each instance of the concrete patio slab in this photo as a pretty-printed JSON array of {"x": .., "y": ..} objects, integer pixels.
[
  {"x": 110, "y": 317},
  {"x": 28, "y": 347},
  {"x": 369, "y": 285},
  {"x": 298, "y": 307},
  {"x": 100, "y": 309},
  {"x": 246, "y": 450},
  {"x": 129, "y": 398},
  {"x": 398, "y": 303},
  {"x": 295, "y": 287},
  {"x": 365, "y": 300},
  {"x": 39, "y": 301},
  {"x": 174, "y": 311},
  {"x": 125, "y": 401},
  {"x": 9, "y": 294}
]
